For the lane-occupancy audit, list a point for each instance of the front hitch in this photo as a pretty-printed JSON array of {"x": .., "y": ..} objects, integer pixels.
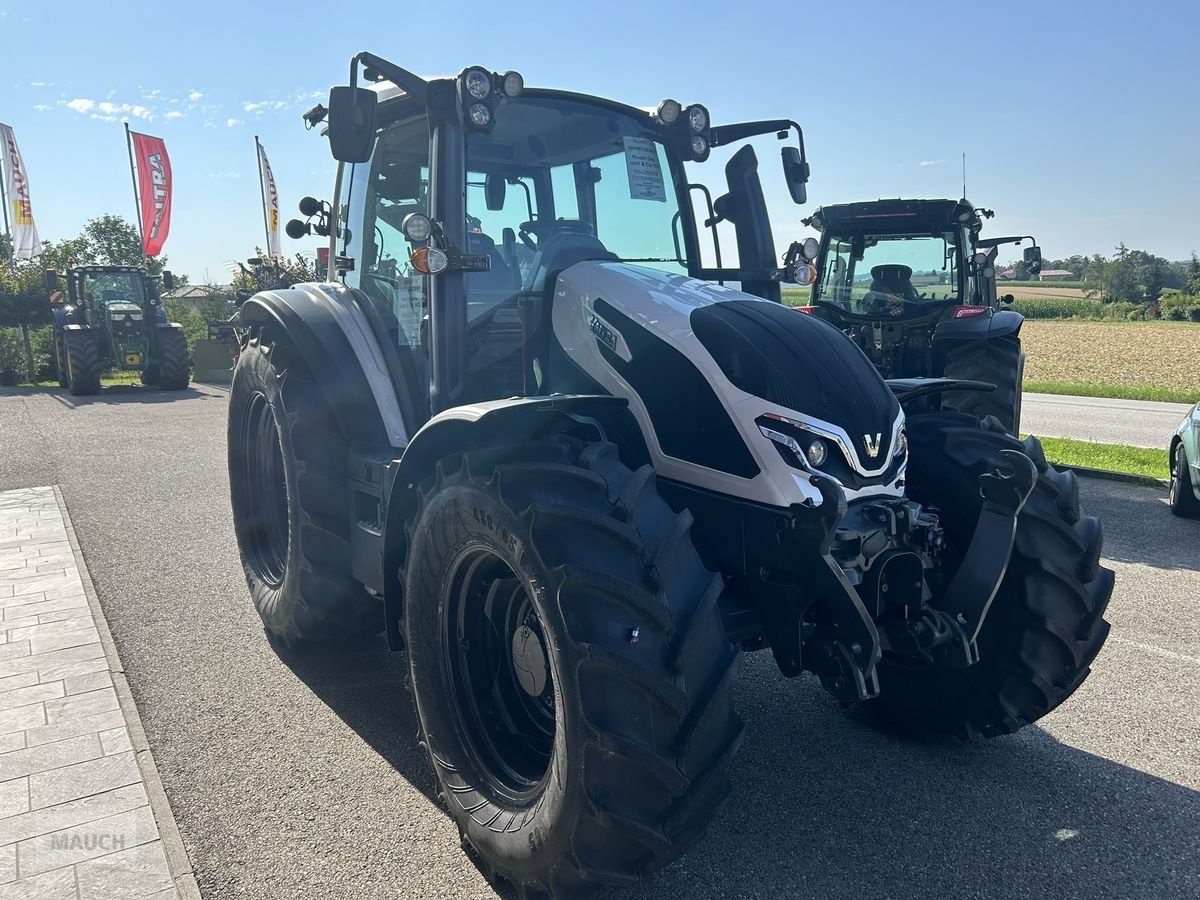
[{"x": 970, "y": 594}]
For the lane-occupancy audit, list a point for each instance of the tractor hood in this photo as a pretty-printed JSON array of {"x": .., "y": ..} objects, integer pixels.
[
  {"x": 724, "y": 383},
  {"x": 123, "y": 308}
]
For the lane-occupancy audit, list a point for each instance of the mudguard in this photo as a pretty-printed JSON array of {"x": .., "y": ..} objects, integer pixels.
[
  {"x": 334, "y": 336},
  {"x": 1002, "y": 323}
]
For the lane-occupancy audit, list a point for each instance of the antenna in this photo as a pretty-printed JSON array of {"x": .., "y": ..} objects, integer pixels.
[{"x": 964, "y": 157}]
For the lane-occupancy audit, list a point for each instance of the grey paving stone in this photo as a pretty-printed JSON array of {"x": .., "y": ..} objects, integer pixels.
[
  {"x": 49, "y": 757},
  {"x": 81, "y": 705},
  {"x": 137, "y": 872},
  {"x": 60, "y": 583},
  {"x": 8, "y": 864},
  {"x": 30, "y": 824},
  {"x": 88, "y": 840},
  {"x": 28, "y": 631},
  {"x": 14, "y": 797},
  {"x": 89, "y": 681},
  {"x": 35, "y": 662},
  {"x": 27, "y": 695},
  {"x": 84, "y": 632},
  {"x": 22, "y": 717},
  {"x": 83, "y": 778},
  {"x": 63, "y": 671},
  {"x": 42, "y": 604},
  {"x": 57, "y": 885},
  {"x": 20, "y": 680},
  {"x": 13, "y": 649},
  {"x": 14, "y": 622},
  {"x": 60, "y": 731},
  {"x": 77, "y": 612},
  {"x": 115, "y": 740},
  {"x": 14, "y": 740}
]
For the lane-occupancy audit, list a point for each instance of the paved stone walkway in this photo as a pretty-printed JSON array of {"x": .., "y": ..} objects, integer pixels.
[{"x": 75, "y": 817}]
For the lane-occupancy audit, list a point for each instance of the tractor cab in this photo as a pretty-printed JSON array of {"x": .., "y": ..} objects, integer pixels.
[{"x": 460, "y": 201}]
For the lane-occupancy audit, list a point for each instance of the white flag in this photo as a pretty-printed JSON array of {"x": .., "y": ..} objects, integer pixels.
[
  {"x": 270, "y": 203},
  {"x": 16, "y": 188}
]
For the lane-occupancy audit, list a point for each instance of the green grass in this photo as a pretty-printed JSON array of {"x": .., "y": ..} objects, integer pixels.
[
  {"x": 1118, "y": 391},
  {"x": 1113, "y": 457}
]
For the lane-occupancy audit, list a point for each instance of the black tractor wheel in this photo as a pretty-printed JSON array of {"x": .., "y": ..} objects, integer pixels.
[
  {"x": 569, "y": 665},
  {"x": 60, "y": 358},
  {"x": 999, "y": 361},
  {"x": 1046, "y": 623},
  {"x": 170, "y": 346},
  {"x": 83, "y": 361},
  {"x": 1181, "y": 496},
  {"x": 151, "y": 375},
  {"x": 289, "y": 491}
]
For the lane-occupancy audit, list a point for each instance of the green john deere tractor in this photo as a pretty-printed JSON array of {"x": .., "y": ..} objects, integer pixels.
[{"x": 111, "y": 317}]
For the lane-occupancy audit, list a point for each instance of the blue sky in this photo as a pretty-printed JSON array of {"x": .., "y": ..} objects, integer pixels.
[{"x": 1078, "y": 119}]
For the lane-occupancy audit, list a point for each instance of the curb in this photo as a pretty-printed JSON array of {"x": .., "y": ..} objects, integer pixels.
[
  {"x": 1108, "y": 475},
  {"x": 172, "y": 842}
]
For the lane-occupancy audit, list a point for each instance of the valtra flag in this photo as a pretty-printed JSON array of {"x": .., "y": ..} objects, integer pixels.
[
  {"x": 270, "y": 204},
  {"x": 16, "y": 188},
  {"x": 154, "y": 186}
]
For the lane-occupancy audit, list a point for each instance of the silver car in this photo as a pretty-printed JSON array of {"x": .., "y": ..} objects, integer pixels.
[{"x": 1185, "y": 466}]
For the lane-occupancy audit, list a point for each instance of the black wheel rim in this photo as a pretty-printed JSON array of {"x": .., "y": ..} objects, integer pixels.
[
  {"x": 264, "y": 486},
  {"x": 502, "y": 685},
  {"x": 1177, "y": 460}
]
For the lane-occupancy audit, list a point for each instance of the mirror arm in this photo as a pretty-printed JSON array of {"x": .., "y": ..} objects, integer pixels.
[{"x": 413, "y": 85}]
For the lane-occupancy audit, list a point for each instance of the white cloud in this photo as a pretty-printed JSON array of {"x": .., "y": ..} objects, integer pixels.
[
  {"x": 931, "y": 162},
  {"x": 174, "y": 114},
  {"x": 41, "y": 84},
  {"x": 194, "y": 96},
  {"x": 224, "y": 174},
  {"x": 229, "y": 123},
  {"x": 261, "y": 106},
  {"x": 109, "y": 108},
  {"x": 41, "y": 107},
  {"x": 80, "y": 105}
]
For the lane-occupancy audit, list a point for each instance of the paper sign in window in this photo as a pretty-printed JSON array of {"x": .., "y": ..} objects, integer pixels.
[{"x": 644, "y": 170}]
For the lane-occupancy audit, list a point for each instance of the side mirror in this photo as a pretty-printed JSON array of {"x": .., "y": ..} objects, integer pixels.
[
  {"x": 351, "y": 123},
  {"x": 493, "y": 192},
  {"x": 795, "y": 173},
  {"x": 168, "y": 280},
  {"x": 1033, "y": 260},
  {"x": 51, "y": 280}
]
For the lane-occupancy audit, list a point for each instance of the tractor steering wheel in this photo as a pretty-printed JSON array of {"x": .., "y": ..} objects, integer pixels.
[{"x": 528, "y": 231}]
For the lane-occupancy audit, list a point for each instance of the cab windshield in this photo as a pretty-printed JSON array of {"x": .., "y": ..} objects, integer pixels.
[
  {"x": 889, "y": 274},
  {"x": 114, "y": 287}
]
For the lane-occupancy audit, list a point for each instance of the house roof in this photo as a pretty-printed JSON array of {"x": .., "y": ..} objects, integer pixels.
[{"x": 1046, "y": 272}]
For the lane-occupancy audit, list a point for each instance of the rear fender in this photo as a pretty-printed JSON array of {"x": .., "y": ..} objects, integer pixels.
[
  {"x": 599, "y": 416},
  {"x": 335, "y": 339}
]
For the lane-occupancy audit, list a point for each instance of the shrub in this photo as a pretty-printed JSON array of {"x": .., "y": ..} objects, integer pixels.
[
  {"x": 1177, "y": 313},
  {"x": 1194, "y": 314},
  {"x": 1136, "y": 315},
  {"x": 1123, "y": 309}
]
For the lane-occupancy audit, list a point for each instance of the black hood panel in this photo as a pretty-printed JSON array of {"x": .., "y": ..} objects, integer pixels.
[{"x": 801, "y": 363}]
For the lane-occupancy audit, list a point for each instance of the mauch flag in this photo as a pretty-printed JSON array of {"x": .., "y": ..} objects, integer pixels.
[
  {"x": 154, "y": 186},
  {"x": 270, "y": 199},
  {"x": 16, "y": 189}
]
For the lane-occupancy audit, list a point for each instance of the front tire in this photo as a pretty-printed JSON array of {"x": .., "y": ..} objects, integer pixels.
[
  {"x": 569, "y": 666},
  {"x": 290, "y": 497},
  {"x": 1046, "y": 623},
  {"x": 83, "y": 362},
  {"x": 997, "y": 361},
  {"x": 60, "y": 358},
  {"x": 1182, "y": 496},
  {"x": 172, "y": 352}
]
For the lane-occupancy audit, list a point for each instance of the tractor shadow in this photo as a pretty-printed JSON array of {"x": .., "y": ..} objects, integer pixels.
[
  {"x": 1139, "y": 526},
  {"x": 124, "y": 394}
]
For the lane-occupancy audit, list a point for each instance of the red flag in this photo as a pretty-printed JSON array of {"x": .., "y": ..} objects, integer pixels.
[{"x": 154, "y": 185}]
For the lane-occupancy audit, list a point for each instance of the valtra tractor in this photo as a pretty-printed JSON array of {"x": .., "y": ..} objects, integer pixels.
[
  {"x": 526, "y": 433},
  {"x": 913, "y": 283},
  {"x": 111, "y": 317}
]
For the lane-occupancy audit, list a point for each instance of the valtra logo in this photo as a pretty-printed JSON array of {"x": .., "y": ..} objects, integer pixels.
[{"x": 161, "y": 190}]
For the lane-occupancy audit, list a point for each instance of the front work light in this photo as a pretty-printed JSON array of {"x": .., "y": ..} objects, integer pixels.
[
  {"x": 512, "y": 84},
  {"x": 417, "y": 227},
  {"x": 481, "y": 116},
  {"x": 697, "y": 117},
  {"x": 428, "y": 260},
  {"x": 810, "y": 248},
  {"x": 668, "y": 112},
  {"x": 699, "y": 147},
  {"x": 478, "y": 83}
]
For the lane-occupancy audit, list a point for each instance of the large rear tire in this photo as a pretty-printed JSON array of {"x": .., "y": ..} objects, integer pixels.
[
  {"x": 60, "y": 357},
  {"x": 1046, "y": 623},
  {"x": 290, "y": 497},
  {"x": 569, "y": 666},
  {"x": 997, "y": 361},
  {"x": 171, "y": 350},
  {"x": 83, "y": 361}
]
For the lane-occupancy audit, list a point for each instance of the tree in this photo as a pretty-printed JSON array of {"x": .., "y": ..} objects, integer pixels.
[
  {"x": 24, "y": 303},
  {"x": 263, "y": 273},
  {"x": 1193, "y": 277}
]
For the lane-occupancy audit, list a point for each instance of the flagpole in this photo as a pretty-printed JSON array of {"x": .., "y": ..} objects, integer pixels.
[
  {"x": 4, "y": 197},
  {"x": 262, "y": 192},
  {"x": 137, "y": 200}
]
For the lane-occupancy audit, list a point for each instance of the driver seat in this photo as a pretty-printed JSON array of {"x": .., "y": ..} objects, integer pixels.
[
  {"x": 893, "y": 280},
  {"x": 569, "y": 241}
]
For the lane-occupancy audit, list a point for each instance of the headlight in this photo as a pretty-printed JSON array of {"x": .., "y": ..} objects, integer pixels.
[
  {"x": 810, "y": 248},
  {"x": 478, "y": 83},
  {"x": 417, "y": 227},
  {"x": 697, "y": 117},
  {"x": 668, "y": 111},
  {"x": 901, "y": 444},
  {"x": 816, "y": 453},
  {"x": 699, "y": 146},
  {"x": 481, "y": 116},
  {"x": 429, "y": 260},
  {"x": 513, "y": 84}
]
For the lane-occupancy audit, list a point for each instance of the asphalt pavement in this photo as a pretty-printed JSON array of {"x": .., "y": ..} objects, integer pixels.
[
  {"x": 301, "y": 777},
  {"x": 1140, "y": 423}
]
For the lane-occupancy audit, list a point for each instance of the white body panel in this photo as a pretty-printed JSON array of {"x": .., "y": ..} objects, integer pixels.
[{"x": 662, "y": 304}]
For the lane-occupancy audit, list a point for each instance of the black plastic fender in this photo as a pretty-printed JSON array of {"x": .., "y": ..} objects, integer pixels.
[
  {"x": 312, "y": 328},
  {"x": 456, "y": 429},
  {"x": 1002, "y": 323}
]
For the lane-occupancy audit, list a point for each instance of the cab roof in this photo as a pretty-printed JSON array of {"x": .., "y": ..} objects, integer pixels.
[{"x": 894, "y": 216}]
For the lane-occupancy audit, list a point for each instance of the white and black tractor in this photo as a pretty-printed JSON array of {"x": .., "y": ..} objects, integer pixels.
[
  {"x": 571, "y": 473},
  {"x": 913, "y": 283}
]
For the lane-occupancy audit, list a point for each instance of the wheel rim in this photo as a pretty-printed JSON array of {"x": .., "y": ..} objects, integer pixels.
[
  {"x": 502, "y": 683},
  {"x": 1176, "y": 461},
  {"x": 264, "y": 485}
]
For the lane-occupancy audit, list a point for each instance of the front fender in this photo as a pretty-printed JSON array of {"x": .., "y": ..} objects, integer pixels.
[{"x": 1002, "y": 323}]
